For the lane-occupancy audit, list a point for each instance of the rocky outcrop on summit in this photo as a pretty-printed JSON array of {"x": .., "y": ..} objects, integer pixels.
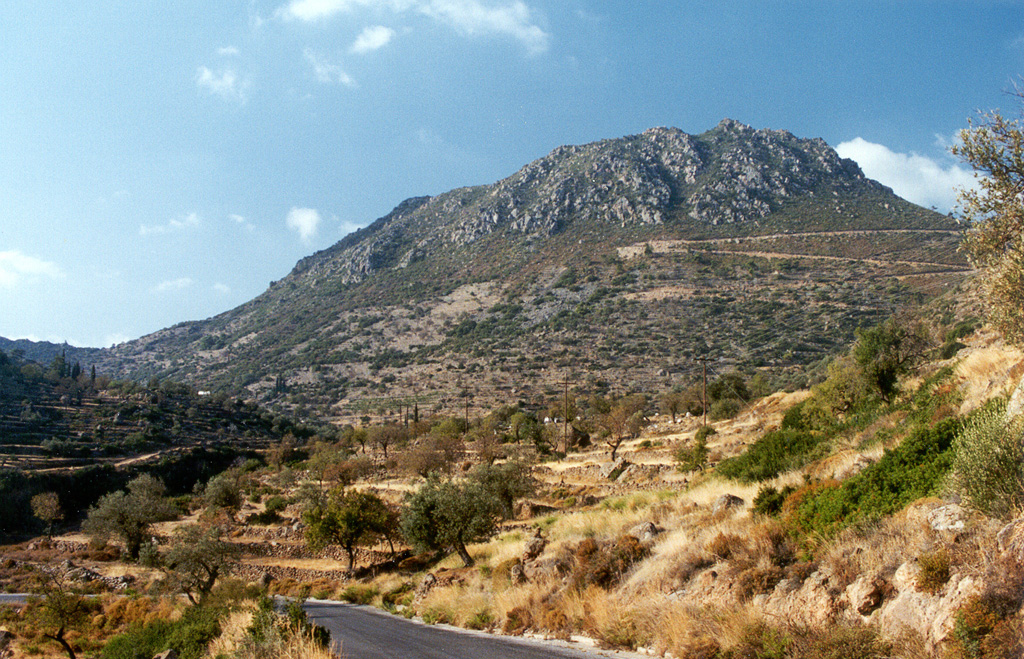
[{"x": 729, "y": 175}]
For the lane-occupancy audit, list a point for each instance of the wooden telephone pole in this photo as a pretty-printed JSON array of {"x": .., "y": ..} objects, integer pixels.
[{"x": 565, "y": 414}]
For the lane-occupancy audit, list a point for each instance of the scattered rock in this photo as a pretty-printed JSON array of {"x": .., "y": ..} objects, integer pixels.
[
  {"x": 947, "y": 518},
  {"x": 725, "y": 502},
  {"x": 645, "y": 531},
  {"x": 534, "y": 547},
  {"x": 517, "y": 574},
  {"x": 531, "y": 509},
  {"x": 428, "y": 582},
  {"x": 1010, "y": 539},
  {"x": 866, "y": 594},
  {"x": 167, "y": 654},
  {"x": 612, "y": 470},
  {"x": 265, "y": 579}
]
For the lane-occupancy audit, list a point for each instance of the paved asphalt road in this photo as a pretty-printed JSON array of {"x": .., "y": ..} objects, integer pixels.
[{"x": 368, "y": 633}]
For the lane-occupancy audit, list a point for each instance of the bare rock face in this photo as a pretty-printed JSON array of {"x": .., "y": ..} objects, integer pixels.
[
  {"x": 517, "y": 575},
  {"x": 612, "y": 470},
  {"x": 931, "y": 615},
  {"x": 948, "y": 518},
  {"x": 725, "y": 502},
  {"x": 534, "y": 547},
  {"x": 811, "y": 602},
  {"x": 1011, "y": 539},
  {"x": 866, "y": 594},
  {"x": 1015, "y": 407}
]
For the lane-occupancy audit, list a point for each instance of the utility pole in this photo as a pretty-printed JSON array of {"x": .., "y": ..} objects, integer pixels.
[{"x": 704, "y": 404}]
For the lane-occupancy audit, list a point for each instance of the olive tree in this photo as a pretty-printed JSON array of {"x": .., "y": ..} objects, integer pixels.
[
  {"x": 128, "y": 514},
  {"x": 995, "y": 210},
  {"x": 447, "y": 514},
  {"x": 348, "y": 519},
  {"x": 197, "y": 558}
]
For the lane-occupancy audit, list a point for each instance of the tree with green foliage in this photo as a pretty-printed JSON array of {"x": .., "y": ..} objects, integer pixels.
[
  {"x": 889, "y": 350},
  {"x": 445, "y": 514},
  {"x": 61, "y": 610},
  {"x": 348, "y": 519},
  {"x": 46, "y": 507},
  {"x": 995, "y": 211},
  {"x": 224, "y": 491},
  {"x": 197, "y": 558},
  {"x": 620, "y": 419},
  {"x": 128, "y": 515},
  {"x": 506, "y": 482}
]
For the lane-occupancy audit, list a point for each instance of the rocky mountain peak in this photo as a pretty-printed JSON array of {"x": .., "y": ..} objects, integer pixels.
[{"x": 729, "y": 175}]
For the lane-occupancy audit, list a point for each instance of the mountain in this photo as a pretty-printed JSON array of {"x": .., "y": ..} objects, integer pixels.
[
  {"x": 615, "y": 264},
  {"x": 43, "y": 352}
]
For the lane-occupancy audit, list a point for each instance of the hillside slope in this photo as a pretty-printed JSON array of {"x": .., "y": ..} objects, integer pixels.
[{"x": 624, "y": 259}]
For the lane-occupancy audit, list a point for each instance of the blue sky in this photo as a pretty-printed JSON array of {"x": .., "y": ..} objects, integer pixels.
[{"x": 163, "y": 162}]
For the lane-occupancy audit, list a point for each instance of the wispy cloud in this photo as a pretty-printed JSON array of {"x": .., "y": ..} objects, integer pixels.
[
  {"x": 225, "y": 83},
  {"x": 327, "y": 72},
  {"x": 228, "y": 51},
  {"x": 16, "y": 267},
  {"x": 513, "y": 18},
  {"x": 189, "y": 221},
  {"x": 223, "y": 289},
  {"x": 916, "y": 178},
  {"x": 173, "y": 285},
  {"x": 242, "y": 222},
  {"x": 304, "y": 221},
  {"x": 372, "y": 38}
]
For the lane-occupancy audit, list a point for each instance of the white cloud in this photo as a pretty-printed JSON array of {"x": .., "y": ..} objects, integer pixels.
[
  {"x": 173, "y": 285},
  {"x": 326, "y": 72},
  {"x": 224, "y": 83},
  {"x": 471, "y": 17},
  {"x": 242, "y": 222},
  {"x": 228, "y": 51},
  {"x": 916, "y": 178},
  {"x": 189, "y": 221},
  {"x": 223, "y": 289},
  {"x": 15, "y": 267},
  {"x": 372, "y": 38},
  {"x": 304, "y": 221}
]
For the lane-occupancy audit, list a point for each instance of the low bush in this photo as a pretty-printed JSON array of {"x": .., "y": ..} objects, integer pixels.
[
  {"x": 774, "y": 453},
  {"x": 988, "y": 462},
  {"x": 357, "y": 594},
  {"x": 769, "y": 500},
  {"x": 188, "y": 636},
  {"x": 934, "y": 571},
  {"x": 914, "y": 469},
  {"x": 604, "y": 564}
]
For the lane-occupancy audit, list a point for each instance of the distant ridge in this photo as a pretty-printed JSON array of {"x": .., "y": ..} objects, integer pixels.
[{"x": 618, "y": 261}]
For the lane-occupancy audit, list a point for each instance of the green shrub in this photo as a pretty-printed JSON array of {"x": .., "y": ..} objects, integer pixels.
[
  {"x": 276, "y": 504},
  {"x": 357, "y": 594},
  {"x": 988, "y": 463},
  {"x": 188, "y": 635},
  {"x": 769, "y": 500},
  {"x": 693, "y": 458},
  {"x": 914, "y": 469},
  {"x": 776, "y": 452}
]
